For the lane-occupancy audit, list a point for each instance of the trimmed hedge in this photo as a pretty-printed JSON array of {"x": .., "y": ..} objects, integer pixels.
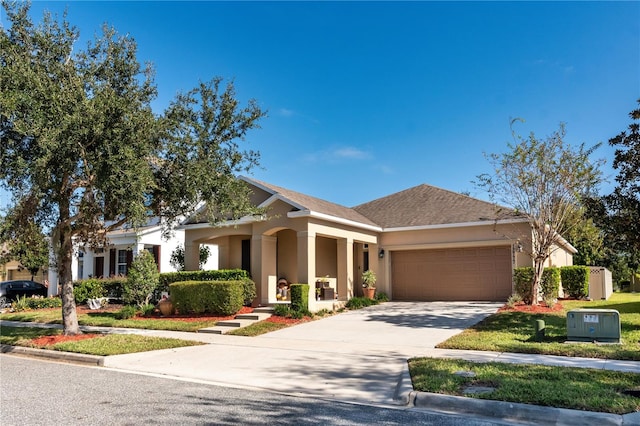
[
  {"x": 93, "y": 288},
  {"x": 550, "y": 284},
  {"x": 300, "y": 297},
  {"x": 523, "y": 277},
  {"x": 28, "y": 303},
  {"x": 214, "y": 297},
  {"x": 575, "y": 281},
  {"x": 249, "y": 287}
]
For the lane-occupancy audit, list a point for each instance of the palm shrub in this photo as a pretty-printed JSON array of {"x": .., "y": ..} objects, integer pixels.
[{"x": 142, "y": 280}]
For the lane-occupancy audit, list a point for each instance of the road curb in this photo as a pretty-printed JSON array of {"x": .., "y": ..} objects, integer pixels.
[
  {"x": 510, "y": 411},
  {"x": 70, "y": 357}
]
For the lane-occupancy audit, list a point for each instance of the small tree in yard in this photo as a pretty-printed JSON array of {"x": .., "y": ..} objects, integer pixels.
[
  {"x": 544, "y": 181},
  {"x": 142, "y": 280}
]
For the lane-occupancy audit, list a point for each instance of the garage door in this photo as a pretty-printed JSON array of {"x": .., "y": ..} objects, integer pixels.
[{"x": 472, "y": 273}]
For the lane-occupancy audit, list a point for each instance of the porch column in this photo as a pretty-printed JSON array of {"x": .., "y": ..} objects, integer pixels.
[
  {"x": 263, "y": 264},
  {"x": 345, "y": 269},
  {"x": 307, "y": 262}
]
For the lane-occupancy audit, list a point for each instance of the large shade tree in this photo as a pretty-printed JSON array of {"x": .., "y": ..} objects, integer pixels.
[
  {"x": 619, "y": 212},
  {"x": 83, "y": 153},
  {"x": 544, "y": 181}
]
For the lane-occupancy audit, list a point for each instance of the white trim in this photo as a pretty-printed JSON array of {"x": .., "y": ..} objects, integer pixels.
[
  {"x": 275, "y": 197},
  {"x": 227, "y": 223},
  {"x": 455, "y": 225},
  {"x": 323, "y": 216}
]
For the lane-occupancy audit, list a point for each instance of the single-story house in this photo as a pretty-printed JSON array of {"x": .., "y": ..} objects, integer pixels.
[{"x": 423, "y": 243}]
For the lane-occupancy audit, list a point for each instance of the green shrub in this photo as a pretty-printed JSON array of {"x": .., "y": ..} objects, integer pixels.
[
  {"x": 513, "y": 300},
  {"x": 300, "y": 297},
  {"x": 126, "y": 312},
  {"x": 282, "y": 310},
  {"x": 26, "y": 303},
  {"x": 523, "y": 279},
  {"x": 575, "y": 281},
  {"x": 91, "y": 288},
  {"x": 550, "y": 283},
  {"x": 142, "y": 279},
  {"x": 382, "y": 297},
  {"x": 216, "y": 297},
  {"x": 361, "y": 302},
  {"x": 148, "y": 310},
  {"x": 249, "y": 287}
]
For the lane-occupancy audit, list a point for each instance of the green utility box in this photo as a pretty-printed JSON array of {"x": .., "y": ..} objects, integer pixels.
[{"x": 593, "y": 325}]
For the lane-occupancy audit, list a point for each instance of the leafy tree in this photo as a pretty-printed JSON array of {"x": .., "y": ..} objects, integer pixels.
[
  {"x": 24, "y": 242},
  {"x": 177, "y": 257},
  {"x": 83, "y": 154},
  {"x": 544, "y": 181},
  {"x": 587, "y": 238},
  {"x": 623, "y": 204},
  {"x": 142, "y": 279}
]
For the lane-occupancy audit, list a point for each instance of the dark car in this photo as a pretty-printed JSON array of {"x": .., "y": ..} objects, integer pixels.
[{"x": 10, "y": 290}]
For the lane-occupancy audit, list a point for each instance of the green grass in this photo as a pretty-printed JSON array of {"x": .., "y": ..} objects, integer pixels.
[
  {"x": 107, "y": 319},
  {"x": 19, "y": 336},
  {"x": 257, "y": 329},
  {"x": 562, "y": 387},
  {"x": 111, "y": 344},
  {"x": 117, "y": 344},
  {"x": 513, "y": 332}
]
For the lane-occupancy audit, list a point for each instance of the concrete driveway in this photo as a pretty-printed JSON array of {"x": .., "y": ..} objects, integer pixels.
[
  {"x": 393, "y": 324},
  {"x": 356, "y": 356}
]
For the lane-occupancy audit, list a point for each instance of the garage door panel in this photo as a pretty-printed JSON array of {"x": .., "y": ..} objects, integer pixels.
[{"x": 475, "y": 273}]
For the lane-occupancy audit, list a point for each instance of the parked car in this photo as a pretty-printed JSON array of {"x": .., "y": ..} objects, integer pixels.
[{"x": 10, "y": 290}]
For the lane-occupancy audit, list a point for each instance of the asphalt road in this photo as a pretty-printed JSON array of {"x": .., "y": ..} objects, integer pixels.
[{"x": 36, "y": 392}]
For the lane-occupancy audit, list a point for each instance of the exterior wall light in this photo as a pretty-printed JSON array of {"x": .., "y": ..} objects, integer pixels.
[{"x": 381, "y": 253}]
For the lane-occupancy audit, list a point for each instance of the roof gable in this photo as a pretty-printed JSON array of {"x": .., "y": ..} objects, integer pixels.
[{"x": 303, "y": 202}]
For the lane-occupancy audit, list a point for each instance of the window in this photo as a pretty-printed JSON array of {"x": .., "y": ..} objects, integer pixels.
[{"x": 121, "y": 268}]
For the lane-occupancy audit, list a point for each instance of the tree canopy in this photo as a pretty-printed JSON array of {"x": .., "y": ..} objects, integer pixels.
[
  {"x": 544, "y": 181},
  {"x": 83, "y": 153}
]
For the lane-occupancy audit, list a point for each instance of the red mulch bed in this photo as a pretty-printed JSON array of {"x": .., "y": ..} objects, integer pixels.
[
  {"x": 52, "y": 340},
  {"x": 538, "y": 309}
]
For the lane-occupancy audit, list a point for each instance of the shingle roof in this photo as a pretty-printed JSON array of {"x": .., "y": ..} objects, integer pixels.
[
  {"x": 313, "y": 204},
  {"x": 422, "y": 205},
  {"x": 425, "y": 205}
]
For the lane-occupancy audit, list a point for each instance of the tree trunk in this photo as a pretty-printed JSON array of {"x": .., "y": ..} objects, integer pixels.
[
  {"x": 538, "y": 269},
  {"x": 64, "y": 255}
]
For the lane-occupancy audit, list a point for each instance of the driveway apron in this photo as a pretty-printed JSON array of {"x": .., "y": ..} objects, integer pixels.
[{"x": 356, "y": 356}]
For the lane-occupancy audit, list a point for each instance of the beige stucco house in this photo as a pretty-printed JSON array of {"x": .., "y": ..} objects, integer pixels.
[{"x": 423, "y": 243}]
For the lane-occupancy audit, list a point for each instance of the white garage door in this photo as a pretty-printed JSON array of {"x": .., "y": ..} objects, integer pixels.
[{"x": 471, "y": 273}]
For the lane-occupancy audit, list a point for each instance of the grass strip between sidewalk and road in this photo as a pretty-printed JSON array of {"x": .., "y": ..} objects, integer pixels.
[
  {"x": 513, "y": 331},
  {"x": 562, "y": 387},
  {"x": 103, "y": 344}
]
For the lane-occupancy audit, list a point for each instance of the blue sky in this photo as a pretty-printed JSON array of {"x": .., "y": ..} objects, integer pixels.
[{"x": 368, "y": 98}]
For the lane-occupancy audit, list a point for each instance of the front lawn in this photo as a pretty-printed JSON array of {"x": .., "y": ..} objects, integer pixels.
[
  {"x": 107, "y": 318},
  {"x": 513, "y": 331},
  {"x": 92, "y": 344},
  {"x": 562, "y": 387}
]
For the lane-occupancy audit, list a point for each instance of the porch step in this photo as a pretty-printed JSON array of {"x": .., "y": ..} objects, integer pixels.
[
  {"x": 255, "y": 316},
  {"x": 241, "y": 320}
]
